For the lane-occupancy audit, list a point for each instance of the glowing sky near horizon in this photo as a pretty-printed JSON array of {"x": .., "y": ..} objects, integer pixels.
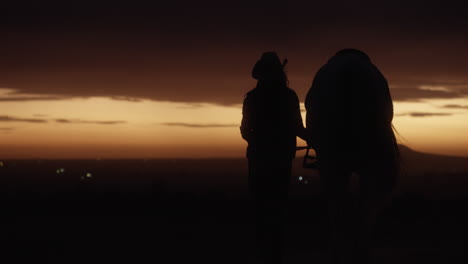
[{"x": 99, "y": 127}]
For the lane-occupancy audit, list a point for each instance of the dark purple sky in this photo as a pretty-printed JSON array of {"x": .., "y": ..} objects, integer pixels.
[{"x": 203, "y": 51}]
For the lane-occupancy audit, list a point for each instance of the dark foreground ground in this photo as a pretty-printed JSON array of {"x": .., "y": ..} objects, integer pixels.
[{"x": 171, "y": 212}]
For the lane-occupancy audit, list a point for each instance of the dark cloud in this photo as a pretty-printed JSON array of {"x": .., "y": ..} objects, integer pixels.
[
  {"x": 195, "y": 125},
  {"x": 430, "y": 88},
  {"x": 455, "y": 106},
  {"x": 31, "y": 98},
  {"x": 79, "y": 121},
  {"x": 5, "y": 118},
  {"x": 195, "y": 90},
  {"x": 415, "y": 94},
  {"x": 424, "y": 114},
  {"x": 191, "y": 106},
  {"x": 126, "y": 98}
]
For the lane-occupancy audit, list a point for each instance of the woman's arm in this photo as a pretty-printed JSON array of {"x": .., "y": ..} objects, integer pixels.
[
  {"x": 246, "y": 127},
  {"x": 299, "y": 129}
]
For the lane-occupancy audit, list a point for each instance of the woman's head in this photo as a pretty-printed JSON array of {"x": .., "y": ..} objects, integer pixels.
[{"x": 270, "y": 69}]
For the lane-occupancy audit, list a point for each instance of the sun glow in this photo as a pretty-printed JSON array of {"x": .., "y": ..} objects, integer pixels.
[
  {"x": 434, "y": 128},
  {"x": 108, "y": 128}
]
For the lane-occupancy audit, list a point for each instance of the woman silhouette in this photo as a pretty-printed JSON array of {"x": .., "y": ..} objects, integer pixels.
[
  {"x": 349, "y": 118},
  {"x": 271, "y": 120}
]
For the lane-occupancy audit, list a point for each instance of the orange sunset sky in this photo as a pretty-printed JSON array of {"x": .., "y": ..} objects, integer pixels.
[{"x": 168, "y": 80}]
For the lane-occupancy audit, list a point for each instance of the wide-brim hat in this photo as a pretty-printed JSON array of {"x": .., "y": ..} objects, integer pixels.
[{"x": 269, "y": 67}]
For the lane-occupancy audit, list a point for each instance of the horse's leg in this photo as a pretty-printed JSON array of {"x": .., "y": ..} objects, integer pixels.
[
  {"x": 373, "y": 199},
  {"x": 335, "y": 183}
]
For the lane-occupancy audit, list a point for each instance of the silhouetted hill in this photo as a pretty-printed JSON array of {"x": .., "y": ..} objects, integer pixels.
[
  {"x": 419, "y": 162},
  {"x": 429, "y": 175},
  {"x": 433, "y": 175}
]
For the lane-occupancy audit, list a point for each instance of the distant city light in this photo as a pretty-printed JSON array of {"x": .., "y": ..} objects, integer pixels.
[
  {"x": 88, "y": 175},
  {"x": 306, "y": 182},
  {"x": 61, "y": 170},
  {"x": 1, "y": 163},
  {"x": 300, "y": 178}
]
